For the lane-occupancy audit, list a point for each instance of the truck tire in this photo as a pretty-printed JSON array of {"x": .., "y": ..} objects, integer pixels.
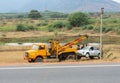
[
  {"x": 60, "y": 58},
  {"x": 31, "y": 61},
  {"x": 78, "y": 57},
  {"x": 39, "y": 59},
  {"x": 71, "y": 56}
]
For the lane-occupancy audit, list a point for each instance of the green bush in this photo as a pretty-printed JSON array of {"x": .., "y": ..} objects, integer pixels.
[
  {"x": 115, "y": 21},
  {"x": 59, "y": 25},
  {"x": 34, "y": 14},
  {"x": 30, "y": 27},
  {"x": 42, "y": 24},
  {"x": 89, "y": 27},
  {"x": 68, "y": 26},
  {"x": 21, "y": 27},
  {"x": 50, "y": 28},
  {"x": 107, "y": 29},
  {"x": 104, "y": 29},
  {"x": 78, "y": 19},
  {"x": 97, "y": 29},
  {"x": 117, "y": 29}
]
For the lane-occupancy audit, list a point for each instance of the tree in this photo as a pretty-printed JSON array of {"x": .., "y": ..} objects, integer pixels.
[
  {"x": 34, "y": 14},
  {"x": 77, "y": 19}
]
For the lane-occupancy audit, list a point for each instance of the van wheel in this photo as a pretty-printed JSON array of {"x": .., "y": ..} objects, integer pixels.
[
  {"x": 99, "y": 56},
  {"x": 91, "y": 57},
  {"x": 87, "y": 55},
  {"x": 39, "y": 59}
]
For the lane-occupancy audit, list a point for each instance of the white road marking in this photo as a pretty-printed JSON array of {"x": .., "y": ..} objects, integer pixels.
[{"x": 57, "y": 67}]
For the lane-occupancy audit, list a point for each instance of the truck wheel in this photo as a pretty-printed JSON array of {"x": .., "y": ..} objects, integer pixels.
[
  {"x": 31, "y": 61},
  {"x": 71, "y": 57},
  {"x": 78, "y": 57},
  {"x": 39, "y": 59},
  {"x": 60, "y": 58}
]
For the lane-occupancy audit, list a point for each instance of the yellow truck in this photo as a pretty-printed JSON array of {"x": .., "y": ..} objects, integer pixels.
[{"x": 39, "y": 52}]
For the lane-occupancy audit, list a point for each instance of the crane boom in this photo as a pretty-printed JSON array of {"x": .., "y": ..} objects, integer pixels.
[{"x": 81, "y": 38}]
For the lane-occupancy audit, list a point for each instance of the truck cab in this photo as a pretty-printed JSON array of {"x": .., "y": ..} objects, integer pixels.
[{"x": 37, "y": 52}]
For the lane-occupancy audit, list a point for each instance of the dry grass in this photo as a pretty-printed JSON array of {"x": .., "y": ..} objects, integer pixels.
[
  {"x": 12, "y": 57},
  {"x": 76, "y": 32},
  {"x": 115, "y": 50},
  {"x": 24, "y": 34}
]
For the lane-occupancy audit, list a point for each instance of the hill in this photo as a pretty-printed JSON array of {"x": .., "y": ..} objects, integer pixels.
[
  {"x": 65, "y": 6},
  {"x": 73, "y": 5}
]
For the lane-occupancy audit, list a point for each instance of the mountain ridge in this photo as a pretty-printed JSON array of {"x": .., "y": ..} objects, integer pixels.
[
  {"x": 65, "y": 6},
  {"x": 73, "y": 6}
]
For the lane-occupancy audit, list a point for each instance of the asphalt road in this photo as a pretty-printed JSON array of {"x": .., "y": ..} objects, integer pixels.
[{"x": 61, "y": 74}]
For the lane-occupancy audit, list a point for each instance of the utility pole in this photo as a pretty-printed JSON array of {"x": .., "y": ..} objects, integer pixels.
[{"x": 101, "y": 29}]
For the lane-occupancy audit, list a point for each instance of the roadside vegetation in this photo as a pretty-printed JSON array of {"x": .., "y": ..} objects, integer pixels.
[
  {"x": 50, "y": 21},
  {"x": 57, "y": 22}
]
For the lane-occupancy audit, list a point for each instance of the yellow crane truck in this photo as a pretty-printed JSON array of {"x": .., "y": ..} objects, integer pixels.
[{"x": 41, "y": 51}]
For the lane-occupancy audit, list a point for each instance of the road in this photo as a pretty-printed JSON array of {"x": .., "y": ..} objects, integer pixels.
[{"x": 61, "y": 74}]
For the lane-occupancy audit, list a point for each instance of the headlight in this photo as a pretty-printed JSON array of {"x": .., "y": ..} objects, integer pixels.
[{"x": 26, "y": 54}]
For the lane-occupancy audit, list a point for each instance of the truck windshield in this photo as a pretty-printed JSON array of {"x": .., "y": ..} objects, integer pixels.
[{"x": 35, "y": 47}]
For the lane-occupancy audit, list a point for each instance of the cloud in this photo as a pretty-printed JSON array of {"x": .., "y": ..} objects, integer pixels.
[{"x": 117, "y": 1}]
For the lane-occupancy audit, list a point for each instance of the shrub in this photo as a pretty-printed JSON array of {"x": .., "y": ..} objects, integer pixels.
[
  {"x": 115, "y": 21},
  {"x": 30, "y": 27},
  {"x": 68, "y": 26},
  {"x": 21, "y": 27},
  {"x": 42, "y": 24},
  {"x": 59, "y": 25},
  {"x": 89, "y": 27},
  {"x": 50, "y": 29},
  {"x": 117, "y": 29},
  {"x": 107, "y": 29},
  {"x": 34, "y": 14},
  {"x": 78, "y": 19},
  {"x": 97, "y": 29},
  {"x": 104, "y": 29}
]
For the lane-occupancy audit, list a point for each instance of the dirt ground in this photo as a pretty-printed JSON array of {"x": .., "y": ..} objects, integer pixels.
[{"x": 17, "y": 58}]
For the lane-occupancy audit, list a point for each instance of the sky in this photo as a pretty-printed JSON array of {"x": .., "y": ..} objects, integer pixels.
[{"x": 117, "y": 0}]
